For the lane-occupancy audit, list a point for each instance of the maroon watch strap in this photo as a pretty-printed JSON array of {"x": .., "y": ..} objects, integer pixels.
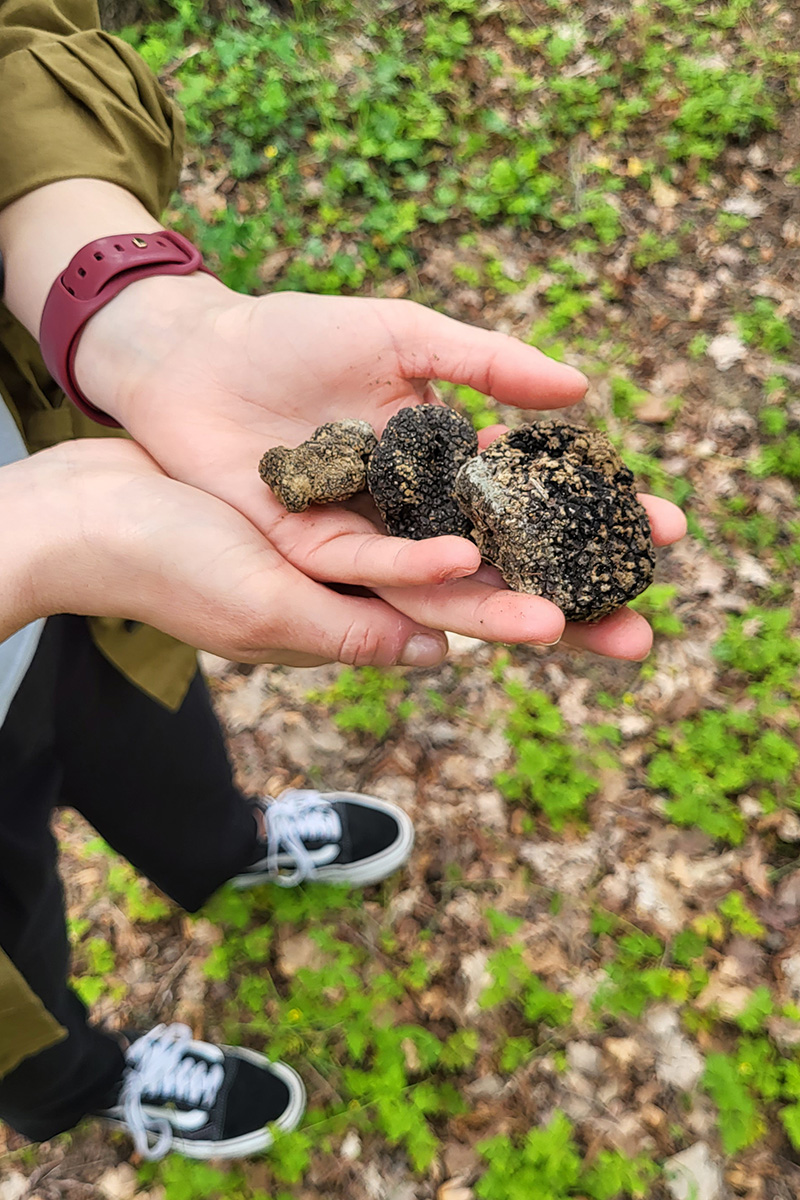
[{"x": 96, "y": 274}]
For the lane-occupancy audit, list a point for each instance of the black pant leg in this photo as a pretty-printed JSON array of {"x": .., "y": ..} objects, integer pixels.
[
  {"x": 157, "y": 785},
  {"x": 51, "y": 1091}
]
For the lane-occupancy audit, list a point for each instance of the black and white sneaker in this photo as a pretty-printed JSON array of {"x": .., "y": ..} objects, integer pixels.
[
  {"x": 201, "y": 1100},
  {"x": 331, "y": 837}
]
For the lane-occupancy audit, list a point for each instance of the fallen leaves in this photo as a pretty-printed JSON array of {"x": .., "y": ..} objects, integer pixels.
[
  {"x": 725, "y": 350},
  {"x": 454, "y": 1189},
  {"x": 664, "y": 195}
]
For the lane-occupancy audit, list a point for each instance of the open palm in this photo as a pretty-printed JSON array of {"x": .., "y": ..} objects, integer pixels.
[{"x": 246, "y": 374}]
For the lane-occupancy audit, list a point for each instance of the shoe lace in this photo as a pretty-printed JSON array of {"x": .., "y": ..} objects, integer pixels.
[
  {"x": 296, "y": 817},
  {"x": 160, "y": 1064}
]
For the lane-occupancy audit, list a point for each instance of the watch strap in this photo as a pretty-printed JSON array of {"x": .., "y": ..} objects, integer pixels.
[{"x": 96, "y": 274}]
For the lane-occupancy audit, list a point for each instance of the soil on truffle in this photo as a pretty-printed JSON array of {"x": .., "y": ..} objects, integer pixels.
[
  {"x": 412, "y": 472},
  {"x": 330, "y": 466},
  {"x": 554, "y": 508}
]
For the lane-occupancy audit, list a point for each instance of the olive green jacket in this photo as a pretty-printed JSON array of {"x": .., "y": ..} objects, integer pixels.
[{"x": 76, "y": 102}]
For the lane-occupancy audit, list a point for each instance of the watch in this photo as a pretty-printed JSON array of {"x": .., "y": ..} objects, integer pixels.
[{"x": 96, "y": 274}]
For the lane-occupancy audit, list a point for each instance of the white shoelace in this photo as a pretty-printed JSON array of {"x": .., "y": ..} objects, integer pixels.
[
  {"x": 158, "y": 1064},
  {"x": 296, "y": 817}
]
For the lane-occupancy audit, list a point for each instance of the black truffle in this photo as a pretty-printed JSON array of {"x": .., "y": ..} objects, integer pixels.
[
  {"x": 331, "y": 465},
  {"x": 412, "y": 472},
  {"x": 554, "y": 508}
]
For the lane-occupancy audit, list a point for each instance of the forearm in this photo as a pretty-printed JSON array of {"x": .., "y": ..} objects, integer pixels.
[
  {"x": 33, "y": 536},
  {"x": 69, "y": 534},
  {"x": 40, "y": 233}
]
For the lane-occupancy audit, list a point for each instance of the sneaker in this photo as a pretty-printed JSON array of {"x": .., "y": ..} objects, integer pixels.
[
  {"x": 200, "y": 1100},
  {"x": 335, "y": 837}
]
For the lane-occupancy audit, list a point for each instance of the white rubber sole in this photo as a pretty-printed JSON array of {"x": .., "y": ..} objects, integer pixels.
[
  {"x": 248, "y": 1143},
  {"x": 369, "y": 870}
]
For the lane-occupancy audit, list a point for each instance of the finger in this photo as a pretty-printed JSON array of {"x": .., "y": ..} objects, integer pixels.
[
  {"x": 328, "y": 543},
  {"x": 490, "y": 434},
  {"x": 481, "y": 610},
  {"x": 343, "y": 547},
  {"x": 667, "y": 522},
  {"x": 316, "y": 623},
  {"x": 625, "y": 634},
  {"x": 433, "y": 346},
  {"x": 211, "y": 579},
  {"x": 288, "y": 658}
]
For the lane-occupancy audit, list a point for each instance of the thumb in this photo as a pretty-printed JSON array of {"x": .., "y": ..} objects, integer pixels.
[{"x": 432, "y": 346}]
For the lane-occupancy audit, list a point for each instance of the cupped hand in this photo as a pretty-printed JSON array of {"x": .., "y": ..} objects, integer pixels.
[
  {"x": 230, "y": 376},
  {"x": 114, "y": 536},
  {"x": 503, "y": 614},
  {"x": 226, "y": 376}
]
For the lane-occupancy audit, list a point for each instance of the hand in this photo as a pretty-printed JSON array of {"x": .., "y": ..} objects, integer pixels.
[
  {"x": 98, "y": 528},
  {"x": 207, "y": 379},
  {"x": 229, "y": 376},
  {"x": 624, "y": 634}
]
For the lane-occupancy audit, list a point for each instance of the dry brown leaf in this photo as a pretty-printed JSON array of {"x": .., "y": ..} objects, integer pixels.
[
  {"x": 453, "y": 1189},
  {"x": 664, "y": 195},
  {"x": 754, "y": 869},
  {"x": 656, "y": 410}
]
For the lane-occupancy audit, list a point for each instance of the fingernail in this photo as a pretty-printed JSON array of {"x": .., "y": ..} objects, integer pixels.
[
  {"x": 579, "y": 375},
  {"x": 422, "y": 650}
]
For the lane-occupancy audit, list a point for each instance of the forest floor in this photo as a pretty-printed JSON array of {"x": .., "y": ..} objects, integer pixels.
[{"x": 586, "y": 983}]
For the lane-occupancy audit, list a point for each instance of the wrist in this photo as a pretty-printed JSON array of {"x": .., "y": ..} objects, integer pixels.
[
  {"x": 37, "y": 539},
  {"x": 126, "y": 342},
  {"x": 40, "y": 233},
  {"x": 76, "y": 531}
]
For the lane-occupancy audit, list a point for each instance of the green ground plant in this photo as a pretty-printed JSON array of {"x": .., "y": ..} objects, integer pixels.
[
  {"x": 481, "y": 411},
  {"x": 625, "y": 397},
  {"x": 548, "y": 1164},
  {"x": 705, "y": 764},
  {"x": 367, "y": 700},
  {"x": 763, "y": 328},
  {"x": 759, "y": 644},
  {"x": 356, "y": 151},
  {"x": 514, "y": 982},
  {"x": 782, "y": 456},
  {"x": 743, "y": 1082},
  {"x": 548, "y": 774},
  {"x": 638, "y": 973},
  {"x": 95, "y": 961},
  {"x": 340, "y": 1013},
  {"x": 656, "y": 604}
]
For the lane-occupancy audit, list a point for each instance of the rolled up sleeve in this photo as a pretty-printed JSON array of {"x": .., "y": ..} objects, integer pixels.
[{"x": 78, "y": 103}]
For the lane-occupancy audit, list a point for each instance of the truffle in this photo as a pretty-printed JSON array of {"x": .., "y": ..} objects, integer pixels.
[
  {"x": 554, "y": 508},
  {"x": 412, "y": 472},
  {"x": 331, "y": 465}
]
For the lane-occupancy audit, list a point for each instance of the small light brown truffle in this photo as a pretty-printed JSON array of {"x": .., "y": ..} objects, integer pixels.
[
  {"x": 412, "y": 472},
  {"x": 554, "y": 508},
  {"x": 330, "y": 466}
]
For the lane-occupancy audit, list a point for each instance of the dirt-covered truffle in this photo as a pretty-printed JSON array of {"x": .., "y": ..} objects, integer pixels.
[
  {"x": 331, "y": 465},
  {"x": 554, "y": 508},
  {"x": 412, "y": 472}
]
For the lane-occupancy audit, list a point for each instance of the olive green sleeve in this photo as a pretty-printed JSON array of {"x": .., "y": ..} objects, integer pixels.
[
  {"x": 78, "y": 103},
  {"x": 25, "y": 1025}
]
